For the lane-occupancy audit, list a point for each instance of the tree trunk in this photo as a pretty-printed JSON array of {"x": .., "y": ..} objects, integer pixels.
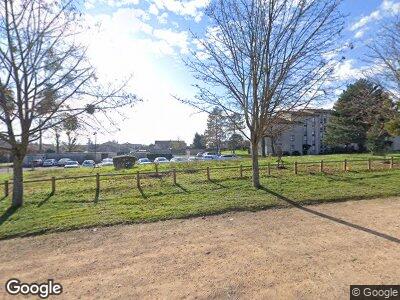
[
  {"x": 254, "y": 161},
  {"x": 273, "y": 146},
  {"x": 263, "y": 147},
  {"x": 18, "y": 187},
  {"x": 57, "y": 143}
]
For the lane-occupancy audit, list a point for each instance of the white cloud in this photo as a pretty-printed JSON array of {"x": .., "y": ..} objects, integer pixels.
[
  {"x": 359, "y": 34},
  {"x": 347, "y": 71},
  {"x": 153, "y": 9},
  {"x": 163, "y": 19},
  {"x": 173, "y": 38},
  {"x": 126, "y": 44},
  {"x": 189, "y": 8},
  {"x": 387, "y": 8}
]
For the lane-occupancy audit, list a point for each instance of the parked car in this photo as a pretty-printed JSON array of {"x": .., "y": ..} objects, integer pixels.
[
  {"x": 195, "y": 158},
  {"x": 210, "y": 155},
  {"x": 107, "y": 162},
  {"x": 37, "y": 163},
  {"x": 143, "y": 161},
  {"x": 178, "y": 159},
  {"x": 227, "y": 157},
  {"x": 50, "y": 162},
  {"x": 88, "y": 163},
  {"x": 62, "y": 161},
  {"x": 161, "y": 160},
  {"x": 200, "y": 154},
  {"x": 71, "y": 164}
]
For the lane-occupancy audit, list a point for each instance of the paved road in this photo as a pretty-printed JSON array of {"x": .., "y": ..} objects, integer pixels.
[{"x": 314, "y": 252}]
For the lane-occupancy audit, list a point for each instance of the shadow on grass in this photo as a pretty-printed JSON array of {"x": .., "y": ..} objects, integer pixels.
[
  {"x": 45, "y": 199},
  {"x": 217, "y": 183},
  {"x": 7, "y": 214},
  {"x": 144, "y": 196},
  {"x": 331, "y": 218},
  {"x": 334, "y": 177},
  {"x": 182, "y": 188}
]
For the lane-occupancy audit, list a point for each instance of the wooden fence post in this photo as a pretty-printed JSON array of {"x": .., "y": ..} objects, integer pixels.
[
  {"x": 391, "y": 162},
  {"x": 269, "y": 169},
  {"x": 241, "y": 171},
  {"x": 53, "y": 185},
  {"x": 295, "y": 167},
  {"x": 369, "y": 164},
  {"x": 156, "y": 169},
  {"x": 345, "y": 165},
  {"x": 138, "y": 180},
  {"x": 174, "y": 175},
  {"x": 321, "y": 167},
  {"x": 208, "y": 174},
  {"x": 5, "y": 188}
]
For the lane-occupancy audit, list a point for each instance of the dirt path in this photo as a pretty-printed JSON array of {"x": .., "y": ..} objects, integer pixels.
[{"x": 282, "y": 254}]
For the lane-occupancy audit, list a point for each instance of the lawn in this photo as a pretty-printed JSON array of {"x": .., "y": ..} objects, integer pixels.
[{"x": 74, "y": 204}]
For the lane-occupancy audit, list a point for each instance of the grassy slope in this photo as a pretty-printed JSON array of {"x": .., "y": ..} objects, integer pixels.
[{"x": 74, "y": 204}]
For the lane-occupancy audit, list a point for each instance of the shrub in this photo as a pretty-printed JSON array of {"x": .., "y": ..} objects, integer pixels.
[{"x": 124, "y": 161}]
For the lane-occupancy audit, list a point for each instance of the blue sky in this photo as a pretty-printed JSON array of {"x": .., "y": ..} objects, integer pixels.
[{"x": 147, "y": 38}]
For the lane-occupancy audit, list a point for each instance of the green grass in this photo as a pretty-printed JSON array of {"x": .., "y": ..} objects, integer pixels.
[{"x": 74, "y": 205}]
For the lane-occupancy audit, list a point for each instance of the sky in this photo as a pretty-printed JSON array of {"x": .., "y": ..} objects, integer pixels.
[{"x": 149, "y": 38}]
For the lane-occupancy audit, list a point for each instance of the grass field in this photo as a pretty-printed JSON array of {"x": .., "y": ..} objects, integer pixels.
[{"x": 74, "y": 204}]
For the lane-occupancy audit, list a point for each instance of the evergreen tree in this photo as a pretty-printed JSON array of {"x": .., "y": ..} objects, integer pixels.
[
  {"x": 198, "y": 141},
  {"x": 359, "y": 117},
  {"x": 215, "y": 132}
]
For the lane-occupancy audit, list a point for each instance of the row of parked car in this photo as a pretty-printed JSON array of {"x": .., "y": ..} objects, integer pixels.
[
  {"x": 198, "y": 157},
  {"x": 70, "y": 163}
]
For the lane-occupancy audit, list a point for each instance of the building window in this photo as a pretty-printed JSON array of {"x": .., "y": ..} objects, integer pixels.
[
  {"x": 292, "y": 147},
  {"x": 292, "y": 138},
  {"x": 313, "y": 133}
]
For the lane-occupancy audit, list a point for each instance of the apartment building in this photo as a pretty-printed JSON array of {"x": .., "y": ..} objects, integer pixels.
[{"x": 304, "y": 133}]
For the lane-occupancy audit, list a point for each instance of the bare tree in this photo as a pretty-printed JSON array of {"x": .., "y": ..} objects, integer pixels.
[
  {"x": 262, "y": 58},
  {"x": 385, "y": 59},
  {"x": 45, "y": 75},
  {"x": 385, "y": 67}
]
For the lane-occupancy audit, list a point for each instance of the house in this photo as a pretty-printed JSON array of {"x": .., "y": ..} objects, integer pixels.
[
  {"x": 303, "y": 132},
  {"x": 170, "y": 145}
]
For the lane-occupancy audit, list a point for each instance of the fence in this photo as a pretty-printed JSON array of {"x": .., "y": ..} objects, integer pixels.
[{"x": 322, "y": 166}]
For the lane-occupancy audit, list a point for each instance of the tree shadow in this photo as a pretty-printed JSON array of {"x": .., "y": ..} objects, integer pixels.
[
  {"x": 7, "y": 214},
  {"x": 45, "y": 200},
  {"x": 331, "y": 218},
  {"x": 217, "y": 183},
  {"x": 182, "y": 188}
]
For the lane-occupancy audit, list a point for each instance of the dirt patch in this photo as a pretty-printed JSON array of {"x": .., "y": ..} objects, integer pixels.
[{"x": 295, "y": 253}]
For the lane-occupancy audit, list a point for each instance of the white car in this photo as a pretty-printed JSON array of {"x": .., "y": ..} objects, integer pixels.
[
  {"x": 107, "y": 162},
  {"x": 161, "y": 160},
  {"x": 143, "y": 161},
  {"x": 71, "y": 164},
  {"x": 178, "y": 159},
  {"x": 210, "y": 155},
  {"x": 195, "y": 158},
  {"x": 227, "y": 157},
  {"x": 88, "y": 163}
]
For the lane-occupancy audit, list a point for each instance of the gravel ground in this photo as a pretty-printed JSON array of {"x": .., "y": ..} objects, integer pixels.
[{"x": 314, "y": 252}]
